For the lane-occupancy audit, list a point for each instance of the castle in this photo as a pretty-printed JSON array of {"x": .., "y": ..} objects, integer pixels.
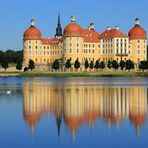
[{"x": 78, "y": 43}]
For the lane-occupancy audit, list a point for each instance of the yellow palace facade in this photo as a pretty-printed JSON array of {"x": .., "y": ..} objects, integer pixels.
[{"x": 78, "y": 43}]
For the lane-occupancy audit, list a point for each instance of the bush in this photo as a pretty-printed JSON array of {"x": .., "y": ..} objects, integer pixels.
[
  {"x": 115, "y": 64},
  {"x": 68, "y": 64},
  {"x": 91, "y": 65},
  {"x": 122, "y": 64},
  {"x": 102, "y": 65},
  {"x": 143, "y": 65},
  {"x": 97, "y": 65},
  {"x": 19, "y": 66},
  {"x": 26, "y": 69},
  {"x": 86, "y": 64},
  {"x": 5, "y": 64},
  {"x": 77, "y": 64},
  {"x": 31, "y": 64},
  {"x": 109, "y": 64},
  {"x": 56, "y": 65},
  {"x": 129, "y": 65}
]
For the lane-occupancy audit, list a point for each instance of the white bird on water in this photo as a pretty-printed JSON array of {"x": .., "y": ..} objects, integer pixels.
[{"x": 8, "y": 92}]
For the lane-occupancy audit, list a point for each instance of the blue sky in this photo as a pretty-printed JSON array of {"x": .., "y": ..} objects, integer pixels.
[{"x": 15, "y": 16}]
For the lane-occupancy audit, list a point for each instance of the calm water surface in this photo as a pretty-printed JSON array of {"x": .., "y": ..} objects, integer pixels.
[{"x": 73, "y": 112}]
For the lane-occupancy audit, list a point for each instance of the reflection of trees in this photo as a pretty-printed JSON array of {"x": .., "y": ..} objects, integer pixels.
[{"x": 78, "y": 104}]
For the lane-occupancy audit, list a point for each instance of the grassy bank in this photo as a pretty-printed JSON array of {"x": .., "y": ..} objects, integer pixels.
[
  {"x": 84, "y": 74},
  {"x": 75, "y": 74}
]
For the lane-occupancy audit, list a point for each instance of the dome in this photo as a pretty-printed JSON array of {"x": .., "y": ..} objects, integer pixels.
[
  {"x": 32, "y": 33},
  {"x": 138, "y": 119},
  {"x": 73, "y": 123},
  {"x": 32, "y": 119},
  {"x": 137, "y": 32},
  {"x": 72, "y": 29}
]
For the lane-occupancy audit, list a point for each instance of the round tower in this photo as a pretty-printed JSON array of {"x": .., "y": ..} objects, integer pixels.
[{"x": 32, "y": 44}]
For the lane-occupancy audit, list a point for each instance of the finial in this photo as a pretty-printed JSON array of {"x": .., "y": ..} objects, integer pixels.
[
  {"x": 91, "y": 27},
  {"x": 73, "y": 19},
  {"x": 32, "y": 22},
  {"x": 137, "y": 22},
  {"x": 108, "y": 28},
  {"x": 117, "y": 27}
]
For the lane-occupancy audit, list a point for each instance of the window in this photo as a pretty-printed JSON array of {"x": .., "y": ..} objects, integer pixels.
[
  {"x": 138, "y": 51},
  {"x": 36, "y": 47},
  {"x": 30, "y": 52},
  {"x": 144, "y": 52},
  {"x": 70, "y": 51},
  {"x": 77, "y": 50},
  {"x": 125, "y": 51},
  {"x": 29, "y": 47}
]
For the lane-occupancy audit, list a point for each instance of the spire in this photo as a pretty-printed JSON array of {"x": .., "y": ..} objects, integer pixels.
[
  {"x": 58, "y": 122},
  {"x": 59, "y": 21},
  {"x": 59, "y": 28},
  {"x": 137, "y": 22}
]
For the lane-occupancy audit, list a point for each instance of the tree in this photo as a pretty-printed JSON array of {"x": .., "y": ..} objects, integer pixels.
[
  {"x": 97, "y": 65},
  {"x": 91, "y": 65},
  {"x": 5, "y": 64},
  {"x": 77, "y": 64},
  {"x": 115, "y": 64},
  {"x": 12, "y": 56},
  {"x": 56, "y": 65},
  {"x": 86, "y": 64},
  {"x": 122, "y": 64},
  {"x": 31, "y": 64},
  {"x": 143, "y": 65},
  {"x": 109, "y": 64},
  {"x": 102, "y": 65},
  {"x": 1, "y": 57},
  {"x": 68, "y": 64},
  {"x": 129, "y": 65},
  {"x": 19, "y": 65}
]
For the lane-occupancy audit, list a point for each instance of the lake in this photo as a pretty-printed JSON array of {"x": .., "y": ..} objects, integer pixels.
[{"x": 73, "y": 112}]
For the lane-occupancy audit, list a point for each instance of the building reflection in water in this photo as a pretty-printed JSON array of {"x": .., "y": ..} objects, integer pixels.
[{"x": 76, "y": 105}]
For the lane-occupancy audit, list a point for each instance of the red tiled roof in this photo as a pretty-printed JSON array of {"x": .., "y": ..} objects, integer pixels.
[
  {"x": 51, "y": 41},
  {"x": 90, "y": 35},
  {"x": 112, "y": 34},
  {"x": 72, "y": 30},
  {"x": 137, "y": 32},
  {"x": 32, "y": 33}
]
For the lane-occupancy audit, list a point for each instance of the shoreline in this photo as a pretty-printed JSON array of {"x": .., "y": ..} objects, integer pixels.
[{"x": 75, "y": 74}]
